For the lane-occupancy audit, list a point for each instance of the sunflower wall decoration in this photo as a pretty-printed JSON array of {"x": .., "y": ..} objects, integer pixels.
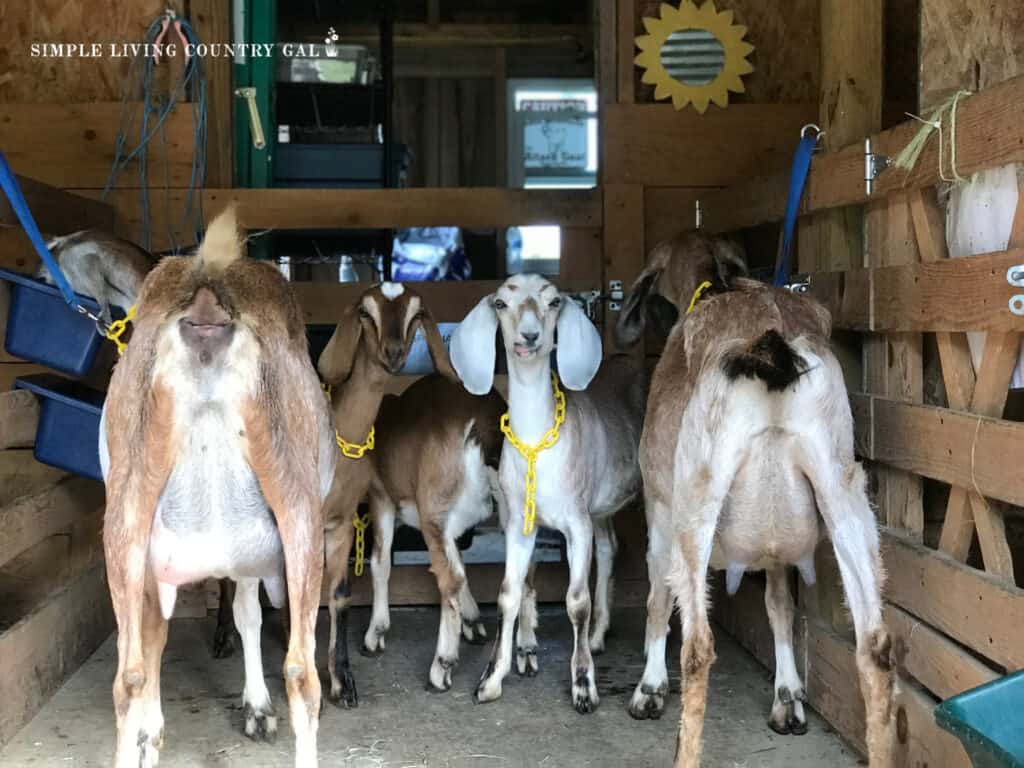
[{"x": 694, "y": 55}]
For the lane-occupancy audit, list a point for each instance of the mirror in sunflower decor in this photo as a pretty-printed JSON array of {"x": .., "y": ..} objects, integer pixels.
[{"x": 694, "y": 55}]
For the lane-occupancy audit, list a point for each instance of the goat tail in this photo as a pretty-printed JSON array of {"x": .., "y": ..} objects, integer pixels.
[
  {"x": 768, "y": 358},
  {"x": 222, "y": 245}
]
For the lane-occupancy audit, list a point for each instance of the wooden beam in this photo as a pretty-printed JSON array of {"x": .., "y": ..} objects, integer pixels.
[
  {"x": 624, "y": 254},
  {"x": 19, "y": 415},
  {"x": 656, "y": 145},
  {"x": 667, "y": 212},
  {"x": 626, "y": 45},
  {"x": 606, "y": 13},
  {"x": 384, "y": 208},
  {"x": 964, "y": 294},
  {"x": 989, "y": 134},
  {"x": 951, "y": 446},
  {"x": 974, "y": 608},
  {"x": 211, "y": 20},
  {"x": 56, "y": 212}
]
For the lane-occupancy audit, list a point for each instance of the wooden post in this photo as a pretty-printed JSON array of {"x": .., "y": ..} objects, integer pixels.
[
  {"x": 623, "y": 245},
  {"x": 211, "y": 20},
  {"x": 626, "y": 50},
  {"x": 850, "y": 108}
]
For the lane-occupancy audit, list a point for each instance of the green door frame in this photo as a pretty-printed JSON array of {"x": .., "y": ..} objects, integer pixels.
[{"x": 255, "y": 167}]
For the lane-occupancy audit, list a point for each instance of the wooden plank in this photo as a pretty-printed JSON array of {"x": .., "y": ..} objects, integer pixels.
[
  {"x": 624, "y": 254},
  {"x": 76, "y": 150},
  {"x": 972, "y": 607},
  {"x": 501, "y": 98},
  {"x": 581, "y": 256},
  {"x": 21, "y": 474},
  {"x": 931, "y": 658},
  {"x": 989, "y": 135},
  {"x": 211, "y": 20},
  {"x": 626, "y": 11},
  {"x": 55, "y": 211},
  {"x": 944, "y": 444},
  {"x": 383, "y": 208},
  {"x": 19, "y": 414},
  {"x": 951, "y": 295},
  {"x": 607, "y": 61},
  {"x": 654, "y": 145},
  {"x": 667, "y": 212},
  {"x": 30, "y": 519}
]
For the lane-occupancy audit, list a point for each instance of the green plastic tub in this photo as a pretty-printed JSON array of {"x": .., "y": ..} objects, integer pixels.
[{"x": 989, "y": 721}]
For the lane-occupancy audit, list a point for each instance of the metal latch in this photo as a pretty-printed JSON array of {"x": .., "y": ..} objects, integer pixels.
[
  {"x": 615, "y": 295},
  {"x": 588, "y": 300},
  {"x": 874, "y": 164},
  {"x": 799, "y": 284},
  {"x": 1015, "y": 277},
  {"x": 259, "y": 141}
]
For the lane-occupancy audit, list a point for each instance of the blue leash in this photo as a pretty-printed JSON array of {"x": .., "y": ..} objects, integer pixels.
[
  {"x": 13, "y": 192},
  {"x": 797, "y": 179}
]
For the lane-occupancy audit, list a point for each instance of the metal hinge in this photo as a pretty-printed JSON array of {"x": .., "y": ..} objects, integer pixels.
[
  {"x": 259, "y": 141},
  {"x": 1015, "y": 277},
  {"x": 874, "y": 164}
]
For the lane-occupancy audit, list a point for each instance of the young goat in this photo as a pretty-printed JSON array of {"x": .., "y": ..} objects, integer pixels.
[
  {"x": 97, "y": 264},
  {"x": 437, "y": 458},
  {"x": 581, "y": 480},
  {"x": 369, "y": 346},
  {"x": 217, "y": 451},
  {"x": 747, "y": 447}
]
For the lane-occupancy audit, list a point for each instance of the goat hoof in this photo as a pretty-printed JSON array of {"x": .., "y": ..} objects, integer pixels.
[
  {"x": 343, "y": 692},
  {"x": 488, "y": 690},
  {"x": 474, "y": 632},
  {"x": 226, "y": 641},
  {"x": 371, "y": 653},
  {"x": 584, "y": 694},
  {"x": 526, "y": 662},
  {"x": 648, "y": 702},
  {"x": 259, "y": 725},
  {"x": 440, "y": 679},
  {"x": 788, "y": 712}
]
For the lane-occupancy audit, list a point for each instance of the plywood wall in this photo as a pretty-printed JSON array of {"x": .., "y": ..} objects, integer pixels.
[{"x": 969, "y": 44}]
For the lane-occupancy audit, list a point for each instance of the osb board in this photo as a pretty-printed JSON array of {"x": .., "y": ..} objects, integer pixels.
[
  {"x": 73, "y": 145},
  {"x": 786, "y": 44},
  {"x": 654, "y": 145},
  {"x": 74, "y": 79},
  {"x": 970, "y": 45}
]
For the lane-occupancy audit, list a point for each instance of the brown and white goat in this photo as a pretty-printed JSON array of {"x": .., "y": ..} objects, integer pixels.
[
  {"x": 747, "y": 448},
  {"x": 97, "y": 264},
  {"x": 217, "y": 451},
  {"x": 369, "y": 346},
  {"x": 437, "y": 458},
  {"x": 582, "y": 480}
]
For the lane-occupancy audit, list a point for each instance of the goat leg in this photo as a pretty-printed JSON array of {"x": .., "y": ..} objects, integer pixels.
[{"x": 226, "y": 639}]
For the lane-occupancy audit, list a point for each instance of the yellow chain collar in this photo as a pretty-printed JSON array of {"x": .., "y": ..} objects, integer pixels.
[
  {"x": 354, "y": 450},
  {"x": 361, "y": 523},
  {"x": 117, "y": 328},
  {"x": 697, "y": 294},
  {"x": 530, "y": 452}
]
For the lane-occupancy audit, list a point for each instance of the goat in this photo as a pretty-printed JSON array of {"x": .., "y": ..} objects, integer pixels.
[
  {"x": 97, "y": 264},
  {"x": 369, "y": 346},
  {"x": 582, "y": 480},
  {"x": 217, "y": 451},
  {"x": 437, "y": 457},
  {"x": 747, "y": 447}
]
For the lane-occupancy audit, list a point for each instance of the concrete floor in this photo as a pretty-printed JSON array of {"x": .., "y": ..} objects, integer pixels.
[{"x": 400, "y": 725}]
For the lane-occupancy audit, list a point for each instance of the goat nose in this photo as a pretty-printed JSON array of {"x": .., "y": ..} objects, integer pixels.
[
  {"x": 393, "y": 352},
  {"x": 530, "y": 338}
]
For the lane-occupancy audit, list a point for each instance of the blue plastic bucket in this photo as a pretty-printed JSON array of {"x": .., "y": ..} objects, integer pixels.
[
  {"x": 989, "y": 721},
  {"x": 42, "y": 328},
  {"x": 68, "y": 434}
]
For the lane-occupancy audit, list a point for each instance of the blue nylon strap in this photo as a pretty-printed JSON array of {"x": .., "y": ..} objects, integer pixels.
[
  {"x": 10, "y": 186},
  {"x": 797, "y": 178}
]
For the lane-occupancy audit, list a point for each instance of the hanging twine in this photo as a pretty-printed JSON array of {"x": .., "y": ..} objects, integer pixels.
[{"x": 907, "y": 159}]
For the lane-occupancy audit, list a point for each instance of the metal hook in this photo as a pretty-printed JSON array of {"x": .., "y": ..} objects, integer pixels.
[{"x": 818, "y": 132}]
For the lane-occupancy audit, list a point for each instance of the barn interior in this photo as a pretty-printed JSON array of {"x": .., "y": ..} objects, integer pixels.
[{"x": 450, "y": 144}]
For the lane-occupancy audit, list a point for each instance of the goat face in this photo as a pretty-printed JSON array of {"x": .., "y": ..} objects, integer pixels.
[
  {"x": 675, "y": 269},
  {"x": 383, "y": 323},
  {"x": 530, "y": 311}
]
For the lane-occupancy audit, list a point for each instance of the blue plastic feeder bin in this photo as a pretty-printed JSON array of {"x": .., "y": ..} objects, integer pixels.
[
  {"x": 989, "y": 721},
  {"x": 42, "y": 328},
  {"x": 68, "y": 434}
]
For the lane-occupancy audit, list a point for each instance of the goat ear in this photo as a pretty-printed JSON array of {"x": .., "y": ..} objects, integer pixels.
[
  {"x": 336, "y": 361},
  {"x": 730, "y": 263},
  {"x": 435, "y": 345},
  {"x": 579, "y": 346},
  {"x": 633, "y": 316},
  {"x": 472, "y": 347}
]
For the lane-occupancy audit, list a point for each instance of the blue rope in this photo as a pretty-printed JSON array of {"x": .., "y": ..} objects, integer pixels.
[{"x": 797, "y": 178}]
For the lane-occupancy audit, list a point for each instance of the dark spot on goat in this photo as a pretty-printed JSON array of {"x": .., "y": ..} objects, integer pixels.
[
  {"x": 343, "y": 590},
  {"x": 768, "y": 358}
]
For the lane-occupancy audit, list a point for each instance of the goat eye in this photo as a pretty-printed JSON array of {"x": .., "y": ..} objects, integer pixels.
[
  {"x": 363, "y": 312},
  {"x": 556, "y": 302},
  {"x": 499, "y": 304}
]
